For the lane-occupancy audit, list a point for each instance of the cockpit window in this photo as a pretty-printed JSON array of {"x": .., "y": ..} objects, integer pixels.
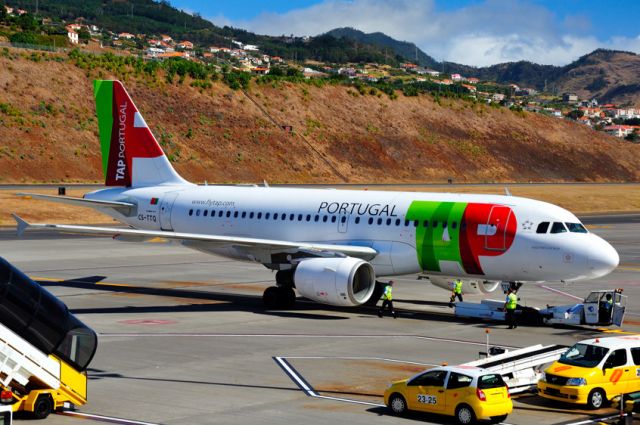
[
  {"x": 558, "y": 227},
  {"x": 576, "y": 228},
  {"x": 543, "y": 227}
]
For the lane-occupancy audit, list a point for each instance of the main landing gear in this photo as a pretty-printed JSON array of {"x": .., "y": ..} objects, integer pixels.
[{"x": 282, "y": 296}]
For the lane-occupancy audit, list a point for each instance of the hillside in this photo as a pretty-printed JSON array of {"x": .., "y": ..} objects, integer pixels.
[{"x": 48, "y": 133}]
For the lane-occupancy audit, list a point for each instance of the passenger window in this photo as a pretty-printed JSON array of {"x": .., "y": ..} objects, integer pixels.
[
  {"x": 259, "y": 215},
  {"x": 190, "y": 212},
  {"x": 316, "y": 218},
  {"x": 308, "y": 217},
  {"x": 267, "y": 215},
  {"x": 325, "y": 218},
  {"x": 357, "y": 220},
  {"x": 197, "y": 213},
  {"x": 283, "y": 217},
  {"x": 457, "y": 380},
  {"x": 205, "y": 212},
  {"x": 444, "y": 224},
  {"x": 292, "y": 217},
  {"x": 635, "y": 353},
  {"x": 343, "y": 219},
  {"x": 576, "y": 228},
  {"x": 430, "y": 379},
  {"x": 370, "y": 220},
  {"x": 251, "y": 214},
  {"x": 275, "y": 216},
  {"x": 228, "y": 213},
  {"x": 213, "y": 213},
  {"x": 299, "y": 217},
  {"x": 244, "y": 214},
  {"x": 388, "y": 221},
  {"x": 434, "y": 224},
  {"x": 397, "y": 222},
  {"x": 220, "y": 213},
  {"x": 617, "y": 358},
  {"x": 425, "y": 224},
  {"x": 454, "y": 225},
  {"x": 235, "y": 214},
  {"x": 543, "y": 227},
  {"x": 379, "y": 221},
  {"x": 406, "y": 223},
  {"x": 415, "y": 223},
  {"x": 558, "y": 227},
  {"x": 487, "y": 230},
  {"x": 333, "y": 219}
]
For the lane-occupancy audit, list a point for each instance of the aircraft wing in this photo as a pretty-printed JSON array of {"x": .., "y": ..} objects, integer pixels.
[
  {"x": 123, "y": 207},
  {"x": 366, "y": 253}
]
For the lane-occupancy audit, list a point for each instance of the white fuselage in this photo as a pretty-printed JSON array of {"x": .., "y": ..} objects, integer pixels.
[{"x": 490, "y": 237}]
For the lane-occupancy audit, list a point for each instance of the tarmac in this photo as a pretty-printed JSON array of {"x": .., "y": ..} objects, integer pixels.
[{"x": 184, "y": 338}]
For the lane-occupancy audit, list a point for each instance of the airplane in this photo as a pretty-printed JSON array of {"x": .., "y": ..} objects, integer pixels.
[{"x": 330, "y": 245}]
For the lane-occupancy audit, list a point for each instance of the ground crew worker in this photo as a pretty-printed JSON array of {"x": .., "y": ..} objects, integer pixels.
[
  {"x": 387, "y": 300},
  {"x": 510, "y": 308},
  {"x": 456, "y": 291},
  {"x": 606, "y": 308}
]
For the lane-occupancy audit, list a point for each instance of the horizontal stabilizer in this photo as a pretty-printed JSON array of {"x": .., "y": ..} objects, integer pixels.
[{"x": 123, "y": 207}]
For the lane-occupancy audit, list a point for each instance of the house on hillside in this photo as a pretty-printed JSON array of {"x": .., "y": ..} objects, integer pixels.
[
  {"x": 72, "y": 33},
  {"x": 166, "y": 38},
  {"x": 185, "y": 45},
  {"x": 432, "y": 72},
  {"x": 498, "y": 97},
  {"x": 473, "y": 80},
  {"x": 126, "y": 35},
  {"x": 619, "y": 130},
  {"x": 569, "y": 98}
]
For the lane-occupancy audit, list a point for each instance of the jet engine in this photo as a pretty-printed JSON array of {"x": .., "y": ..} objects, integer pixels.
[
  {"x": 469, "y": 286},
  {"x": 344, "y": 282}
]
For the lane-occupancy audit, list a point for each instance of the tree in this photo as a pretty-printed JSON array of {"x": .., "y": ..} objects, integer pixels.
[
  {"x": 83, "y": 35},
  {"x": 633, "y": 137},
  {"x": 575, "y": 114}
]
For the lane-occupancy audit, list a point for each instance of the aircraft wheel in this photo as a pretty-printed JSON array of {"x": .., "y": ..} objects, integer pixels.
[
  {"x": 287, "y": 297},
  {"x": 271, "y": 297}
]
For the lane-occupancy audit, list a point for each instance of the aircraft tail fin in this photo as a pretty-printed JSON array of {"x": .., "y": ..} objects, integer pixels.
[{"x": 131, "y": 155}]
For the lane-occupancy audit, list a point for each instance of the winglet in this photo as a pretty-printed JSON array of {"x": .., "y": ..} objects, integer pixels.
[{"x": 22, "y": 225}]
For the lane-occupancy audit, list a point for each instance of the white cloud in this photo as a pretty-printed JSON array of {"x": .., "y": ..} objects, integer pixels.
[{"x": 482, "y": 34}]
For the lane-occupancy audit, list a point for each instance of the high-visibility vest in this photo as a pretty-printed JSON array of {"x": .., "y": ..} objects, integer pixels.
[
  {"x": 387, "y": 293},
  {"x": 512, "y": 301},
  {"x": 457, "y": 286}
]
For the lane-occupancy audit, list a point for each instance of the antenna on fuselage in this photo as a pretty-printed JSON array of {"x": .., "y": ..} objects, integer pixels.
[
  {"x": 507, "y": 191},
  {"x": 265, "y": 183}
]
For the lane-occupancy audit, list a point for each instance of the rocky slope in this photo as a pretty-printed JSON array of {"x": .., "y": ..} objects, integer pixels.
[{"x": 48, "y": 133}]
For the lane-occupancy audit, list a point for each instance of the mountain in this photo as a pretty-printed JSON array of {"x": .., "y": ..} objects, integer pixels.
[
  {"x": 607, "y": 75},
  {"x": 404, "y": 49}
]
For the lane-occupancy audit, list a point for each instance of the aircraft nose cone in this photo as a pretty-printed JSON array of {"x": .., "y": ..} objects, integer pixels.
[{"x": 603, "y": 258}]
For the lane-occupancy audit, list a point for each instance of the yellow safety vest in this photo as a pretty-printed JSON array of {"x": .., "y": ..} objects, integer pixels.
[
  {"x": 512, "y": 301},
  {"x": 457, "y": 287},
  {"x": 387, "y": 293}
]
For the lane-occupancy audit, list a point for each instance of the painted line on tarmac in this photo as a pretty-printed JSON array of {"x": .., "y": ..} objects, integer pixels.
[
  {"x": 108, "y": 419},
  {"x": 557, "y": 291},
  {"x": 308, "y": 389},
  {"x": 593, "y": 421},
  {"x": 221, "y": 335}
]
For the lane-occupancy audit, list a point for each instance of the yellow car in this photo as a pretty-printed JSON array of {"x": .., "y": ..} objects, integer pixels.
[{"x": 468, "y": 393}]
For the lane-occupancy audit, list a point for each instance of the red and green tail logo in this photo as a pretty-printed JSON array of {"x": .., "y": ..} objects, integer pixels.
[{"x": 124, "y": 134}]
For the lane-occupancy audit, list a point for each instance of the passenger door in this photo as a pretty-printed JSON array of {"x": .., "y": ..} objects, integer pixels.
[
  {"x": 496, "y": 228},
  {"x": 165, "y": 210},
  {"x": 457, "y": 389},
  {"x": 616, "y": 373},
  {"x": 426, "y": 392}
]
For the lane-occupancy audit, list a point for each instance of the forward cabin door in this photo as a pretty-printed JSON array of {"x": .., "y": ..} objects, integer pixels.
[{"x": 165, "y": 210}]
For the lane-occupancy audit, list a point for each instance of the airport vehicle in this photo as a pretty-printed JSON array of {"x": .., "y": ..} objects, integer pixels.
[
  {"x": 44, "y": 349},
  {"x": 329, "y": 244},
  {"x": 466, "y": 392},
  {"x": 593, "y": 311},
  {"x": 594, "y": 371}
]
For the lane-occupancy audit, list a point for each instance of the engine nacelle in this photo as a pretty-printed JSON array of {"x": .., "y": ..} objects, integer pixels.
[
  {"x": 469, "y": 286},
  {"x": 335, "y": 281}
]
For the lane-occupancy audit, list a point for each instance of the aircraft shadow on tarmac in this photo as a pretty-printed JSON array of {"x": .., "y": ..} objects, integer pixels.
[
  {"x": 97, "y": 374},
  {"x": 224, "y": 301}
]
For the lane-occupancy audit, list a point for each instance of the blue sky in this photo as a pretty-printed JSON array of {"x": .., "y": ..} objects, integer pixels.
[{"x": 473, "y": 32}]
